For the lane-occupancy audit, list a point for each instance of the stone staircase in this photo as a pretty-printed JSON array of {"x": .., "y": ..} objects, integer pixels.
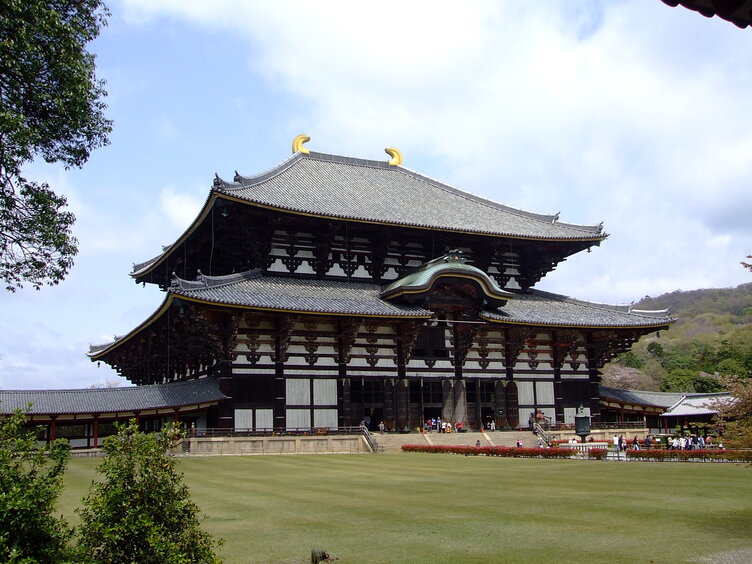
[{"x": 392, "y": 442}]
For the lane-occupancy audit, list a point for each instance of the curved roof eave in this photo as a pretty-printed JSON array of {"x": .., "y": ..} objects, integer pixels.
[
  {"x": 559, "y": 325},
  {"x": 96, "y": 352},
  {"x": 148, "y": 266}
]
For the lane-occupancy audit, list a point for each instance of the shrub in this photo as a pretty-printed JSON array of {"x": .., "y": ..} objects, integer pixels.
[
  {"x": 492, "y": 451},
  {"x": 30, "y": 482},
  {"x": 691, "y": 455},
  {"x": 142, "y": 511},
  {"x": 597, "y": 453}
]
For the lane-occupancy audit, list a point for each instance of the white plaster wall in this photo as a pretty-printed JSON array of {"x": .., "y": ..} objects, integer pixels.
[
  {"x": 243, "y": 418},
  {"x": 264, "y": 418},
  {"x": 325, "y": 418},
  {"x": 325, "y": 392},
  {"x": 298, "y": 418},
  {"x": 525, "y": 393},
  {"x": 298, "y": 391},
  {"x": 544, "y": 392}
]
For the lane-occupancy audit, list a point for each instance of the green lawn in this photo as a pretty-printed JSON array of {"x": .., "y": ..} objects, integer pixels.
[{"x": 447, "y": 508}]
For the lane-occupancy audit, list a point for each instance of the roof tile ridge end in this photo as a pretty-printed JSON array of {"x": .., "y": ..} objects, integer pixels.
[
  {"x": 204, "y": 281},
  {"x": 241, "y": 181}
]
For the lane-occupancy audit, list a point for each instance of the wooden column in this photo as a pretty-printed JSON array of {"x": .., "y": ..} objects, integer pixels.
[
  {"x": 282, "y": 338},
  {"x": 447, "y": 400},
  {"x": 557, "y": 355},
  {"x": 460, "y": 401},
  {"x": 95, "y": 431},
  {"x": 403, "y": 404},
  {"x": 595, "y": 352},
  {"x": 345, "y": 406},
  {"x": 500, "y": 407},
  {"x": 390, "y": 405}
]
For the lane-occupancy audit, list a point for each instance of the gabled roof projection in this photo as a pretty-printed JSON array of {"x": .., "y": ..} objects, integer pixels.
[
  {"x": 452, "y": 265},
  {"x": 377, "y": 192}
]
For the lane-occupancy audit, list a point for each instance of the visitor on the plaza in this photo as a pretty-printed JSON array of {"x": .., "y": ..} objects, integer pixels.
[
  {"x": 701, "y": 442},
  {"x": 448, "y": 428},
  {"x": 622, "y": 443},
  {"x": 647, "y": 442},
  {"x": 519, "y": 443},
  {"x": 381, "y": 426},
  {"x": 675, "y": 443},
  {"x": 617, "y": 446},
  {"x": 477, "y": 443},
  {"x": 459, "y": 427},
  {"x": 635, "y": 443},
  {"x": 493, "y": 425}
]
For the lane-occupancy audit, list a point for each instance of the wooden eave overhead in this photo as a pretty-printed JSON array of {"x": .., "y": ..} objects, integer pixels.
[{"x": 738, "y": 12}]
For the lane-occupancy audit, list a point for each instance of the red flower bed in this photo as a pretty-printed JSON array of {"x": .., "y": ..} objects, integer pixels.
[
  {"x": 693, "y": 455},
  {"x": 492, "y": 451},
  {"x": 597, "y": 453}
]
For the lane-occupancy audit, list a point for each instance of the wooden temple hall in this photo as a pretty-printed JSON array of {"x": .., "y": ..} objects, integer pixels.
[{"x": 331, "y": 291}]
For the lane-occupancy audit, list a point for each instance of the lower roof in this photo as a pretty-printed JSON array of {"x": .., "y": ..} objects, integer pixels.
[
  {"x": 674, "y": 404},
  {"x": 254, "y": 290},
  {"x": 112, "y": 400}
]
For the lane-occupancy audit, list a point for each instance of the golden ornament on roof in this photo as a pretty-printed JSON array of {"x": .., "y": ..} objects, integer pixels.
[
  {"x": 297, "y": 144},
  {"x": 396, "y": 159}
]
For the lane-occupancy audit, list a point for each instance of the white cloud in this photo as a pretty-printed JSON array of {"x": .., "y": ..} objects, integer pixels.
[
  {"x": 181, "y": 209},
  {"x": 629, "y": 112}
]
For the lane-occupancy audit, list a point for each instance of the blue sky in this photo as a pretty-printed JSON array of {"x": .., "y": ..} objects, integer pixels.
[{"x": 631, "y": 113}]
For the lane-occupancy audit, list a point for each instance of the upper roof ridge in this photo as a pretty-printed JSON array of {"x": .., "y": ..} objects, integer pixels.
[{"x": 240, "y": 181}]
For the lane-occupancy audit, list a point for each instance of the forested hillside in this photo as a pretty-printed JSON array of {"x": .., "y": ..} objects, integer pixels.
[{"x": 711, "y": 338}]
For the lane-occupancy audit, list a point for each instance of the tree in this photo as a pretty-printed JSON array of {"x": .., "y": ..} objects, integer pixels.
[
  {"x": 735, "y": 416},
  {"x": 679, "y": 380},
  {"x": 142, "y": 511},
  {"x": 51, "y": 106},
  {"x": 30, "y": 482}
]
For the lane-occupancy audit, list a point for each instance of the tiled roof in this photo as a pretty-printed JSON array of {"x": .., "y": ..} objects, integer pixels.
[
  {"x": 110, "y": 400},
  {"x": 252, "y": 289},
  {"x": 374, "y": 191},
  {"x": 544, "y": 308},
  {"x": 697, "y": 404},
  {"x": 640, "y": 397}
]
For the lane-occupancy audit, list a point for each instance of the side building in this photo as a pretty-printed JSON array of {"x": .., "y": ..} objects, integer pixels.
[{"x": 331, "y": 291}]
